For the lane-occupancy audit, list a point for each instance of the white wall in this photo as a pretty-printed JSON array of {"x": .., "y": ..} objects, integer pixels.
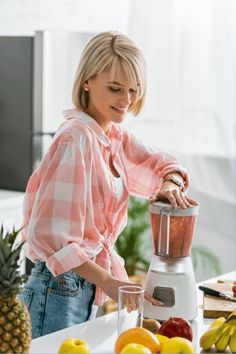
[{"x": 24, "y": 17}]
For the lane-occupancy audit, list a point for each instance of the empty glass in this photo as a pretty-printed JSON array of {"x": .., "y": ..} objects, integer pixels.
[{"x": 130, "y": 307}]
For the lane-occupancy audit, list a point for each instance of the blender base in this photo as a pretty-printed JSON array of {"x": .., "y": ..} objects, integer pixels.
[{"x": 172, "y": 281}]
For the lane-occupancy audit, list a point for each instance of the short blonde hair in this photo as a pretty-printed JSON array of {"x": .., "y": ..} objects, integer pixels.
[{"x": 105, "y": 51}]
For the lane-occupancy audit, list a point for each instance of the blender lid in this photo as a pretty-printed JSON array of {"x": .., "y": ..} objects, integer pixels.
[{"x": 159, "y": 206}]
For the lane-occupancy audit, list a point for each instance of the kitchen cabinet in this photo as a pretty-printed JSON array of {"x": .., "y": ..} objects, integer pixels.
[{"x": 101, "y": 333}]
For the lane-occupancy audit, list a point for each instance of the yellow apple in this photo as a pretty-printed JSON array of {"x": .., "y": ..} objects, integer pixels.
[
  {"x": 135, "y": 348},
  {"x": 177, "y": 345},
  {"x": 74, "y": 346},
  {"x": 162, "y": 339}
]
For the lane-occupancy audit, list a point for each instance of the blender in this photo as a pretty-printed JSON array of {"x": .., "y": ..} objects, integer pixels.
[{"x": 170, "y": 277}]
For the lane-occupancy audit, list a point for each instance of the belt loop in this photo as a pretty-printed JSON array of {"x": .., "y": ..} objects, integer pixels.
[{"x": 40, "y": 265}]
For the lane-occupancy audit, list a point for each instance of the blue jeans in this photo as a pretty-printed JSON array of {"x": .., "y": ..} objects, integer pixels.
[{"x": 58, "y": 302}]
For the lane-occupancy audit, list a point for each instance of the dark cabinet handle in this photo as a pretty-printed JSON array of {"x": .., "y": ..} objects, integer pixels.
[{"x": 40, "y": 133}]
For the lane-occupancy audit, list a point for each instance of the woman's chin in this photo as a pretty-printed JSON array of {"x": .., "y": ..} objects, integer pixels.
[{"x": 118, "y": 118}]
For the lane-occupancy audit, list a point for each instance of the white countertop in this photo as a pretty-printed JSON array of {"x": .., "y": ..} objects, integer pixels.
[
  {"x": 101, "y": 333},
  {"x": 11, "y": 203}
]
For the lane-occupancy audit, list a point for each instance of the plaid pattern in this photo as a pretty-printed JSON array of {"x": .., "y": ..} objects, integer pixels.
[{"x": 71, "y": 209}]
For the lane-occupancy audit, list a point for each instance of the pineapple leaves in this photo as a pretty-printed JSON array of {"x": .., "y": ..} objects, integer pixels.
[
  {"x": 9, "y": 252},
  {"x": 10, "y": 277}
]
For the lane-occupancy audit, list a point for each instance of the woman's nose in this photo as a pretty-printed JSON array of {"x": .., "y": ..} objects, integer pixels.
[{"x": 126, "y": 99}]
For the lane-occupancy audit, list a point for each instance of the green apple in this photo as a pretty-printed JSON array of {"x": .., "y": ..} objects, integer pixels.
[
  {"x": 177, "y": 345},
  {"x": 74, "y": 346},
  {"x": 135, "y": 348}
]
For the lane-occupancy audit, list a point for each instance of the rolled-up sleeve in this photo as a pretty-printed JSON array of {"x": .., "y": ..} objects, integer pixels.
[
  {"x": 147, "y": 167},
  {"x": 56, "y": 226}
]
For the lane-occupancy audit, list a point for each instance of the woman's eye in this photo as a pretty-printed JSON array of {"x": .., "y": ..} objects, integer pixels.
[
  {"x": 117, "y": 89},
  {"x": 114, "y": 89}
]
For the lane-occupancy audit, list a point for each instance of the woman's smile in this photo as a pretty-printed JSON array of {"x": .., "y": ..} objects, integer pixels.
[{"x": 120, "y": 110}]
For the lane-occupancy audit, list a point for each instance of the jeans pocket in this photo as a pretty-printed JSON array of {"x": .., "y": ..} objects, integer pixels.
[
  {"x": 83, "y": 283},
  {"x": 26, "y": 296},
  {"x": 64, "y": 285}
]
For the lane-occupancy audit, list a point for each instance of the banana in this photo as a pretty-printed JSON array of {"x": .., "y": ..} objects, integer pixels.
[
  {"x": 232, "y": 314},
  {"x": 231, "y": 319},
  {"x": 211, "y": 336},
  {"x": 222, "y": 343},
  {"x": 217, "y": 322},
  {"x": 232, "y": 341}
]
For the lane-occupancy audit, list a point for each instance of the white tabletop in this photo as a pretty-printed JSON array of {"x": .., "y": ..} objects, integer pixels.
[{"x": 101, "y": 333}]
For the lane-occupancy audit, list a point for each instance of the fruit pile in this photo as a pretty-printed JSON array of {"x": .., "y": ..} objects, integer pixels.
[
  {"x": 221, "y": 334},
  {"x": 173, "y": 336}
]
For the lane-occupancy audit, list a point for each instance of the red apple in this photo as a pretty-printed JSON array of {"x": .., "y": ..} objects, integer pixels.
[
  {"x": 176, "y": 327},
  {"x": 234, "y": 288}
]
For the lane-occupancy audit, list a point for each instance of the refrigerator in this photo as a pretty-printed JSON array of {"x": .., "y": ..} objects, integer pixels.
[{"x": 36, "y": 78}]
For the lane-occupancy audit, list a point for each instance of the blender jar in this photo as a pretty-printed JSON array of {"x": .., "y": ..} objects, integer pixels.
[{"x": 172, "y": 229}]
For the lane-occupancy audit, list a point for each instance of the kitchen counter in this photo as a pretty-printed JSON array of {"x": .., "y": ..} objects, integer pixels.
[
  {"x": 101, "y": 333},
  {"x": 11, "y": 208}
]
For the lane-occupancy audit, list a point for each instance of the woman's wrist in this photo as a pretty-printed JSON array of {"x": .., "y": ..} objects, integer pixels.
[
  {"x": 176, "y": 179},
  {"x": 168, "y": 183}
]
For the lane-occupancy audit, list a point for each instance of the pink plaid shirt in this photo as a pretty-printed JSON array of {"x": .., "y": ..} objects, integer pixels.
[{"x": 71, "y": 209}]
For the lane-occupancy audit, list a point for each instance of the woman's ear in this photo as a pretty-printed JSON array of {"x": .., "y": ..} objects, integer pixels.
[{"x": 86, "y": 86}]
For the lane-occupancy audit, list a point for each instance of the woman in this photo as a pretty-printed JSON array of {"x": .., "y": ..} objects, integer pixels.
[{"x": 76, "y": 201}]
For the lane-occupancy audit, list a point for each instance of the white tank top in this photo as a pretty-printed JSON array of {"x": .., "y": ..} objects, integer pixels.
[{"x": 119, "y": 187}]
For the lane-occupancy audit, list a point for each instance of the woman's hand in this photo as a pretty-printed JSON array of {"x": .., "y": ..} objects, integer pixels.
[
  {"x": 111, "y": 288},
  {"x": 151, "y": 299},
  {"x": 112, "y": 284},
  {"x": 171, "y": 193}
]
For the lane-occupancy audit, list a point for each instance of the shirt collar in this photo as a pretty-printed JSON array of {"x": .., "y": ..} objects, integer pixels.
[{"x": 102, "y": 137}]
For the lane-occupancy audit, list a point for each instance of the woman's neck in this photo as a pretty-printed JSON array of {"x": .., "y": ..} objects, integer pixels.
[{"x": 105, "y": 125}]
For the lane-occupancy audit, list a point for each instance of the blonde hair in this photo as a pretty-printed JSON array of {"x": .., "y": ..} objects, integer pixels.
[{"x": 105, "y": 51}]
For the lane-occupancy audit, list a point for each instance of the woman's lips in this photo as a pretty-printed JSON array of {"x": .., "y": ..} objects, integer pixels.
[{"x": 119, "y": 110}]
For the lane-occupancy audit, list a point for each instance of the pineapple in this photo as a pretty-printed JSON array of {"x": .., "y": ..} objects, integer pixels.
[{"x": 15, "y": 325}]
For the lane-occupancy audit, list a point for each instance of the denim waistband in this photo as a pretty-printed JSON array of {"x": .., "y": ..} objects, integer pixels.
[{"x": 41, "y": 266}]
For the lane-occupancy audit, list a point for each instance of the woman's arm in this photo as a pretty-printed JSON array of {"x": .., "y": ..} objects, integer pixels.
[
  {"x": 147, "y": 167},
  {"x": 109, "y": 284},
  {"x": 154, "y": 174}
]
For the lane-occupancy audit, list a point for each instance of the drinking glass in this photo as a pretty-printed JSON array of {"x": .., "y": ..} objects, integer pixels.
[{"x": 130, "y": 307}]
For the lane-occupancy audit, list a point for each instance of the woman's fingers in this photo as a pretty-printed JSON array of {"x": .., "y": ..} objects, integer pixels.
[
  {"x": 151, "y": 299},
  {"x": 172, "y": 199},
  {"x": 180, "y": 199},
  {"x": 175, "y": 197},
  {"x": 191, "y": 201},
  {"x": 131, "y": 302}
]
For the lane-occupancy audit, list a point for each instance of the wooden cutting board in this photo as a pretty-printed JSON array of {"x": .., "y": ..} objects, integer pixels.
[{"x": 214, "y": 307}]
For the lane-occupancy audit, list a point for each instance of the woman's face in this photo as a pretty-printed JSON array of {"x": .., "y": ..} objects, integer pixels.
[{"x": 109, "y": 101}]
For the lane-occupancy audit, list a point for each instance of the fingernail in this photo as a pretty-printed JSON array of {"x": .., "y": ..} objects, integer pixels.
[{"x": 161, "y": 303}]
